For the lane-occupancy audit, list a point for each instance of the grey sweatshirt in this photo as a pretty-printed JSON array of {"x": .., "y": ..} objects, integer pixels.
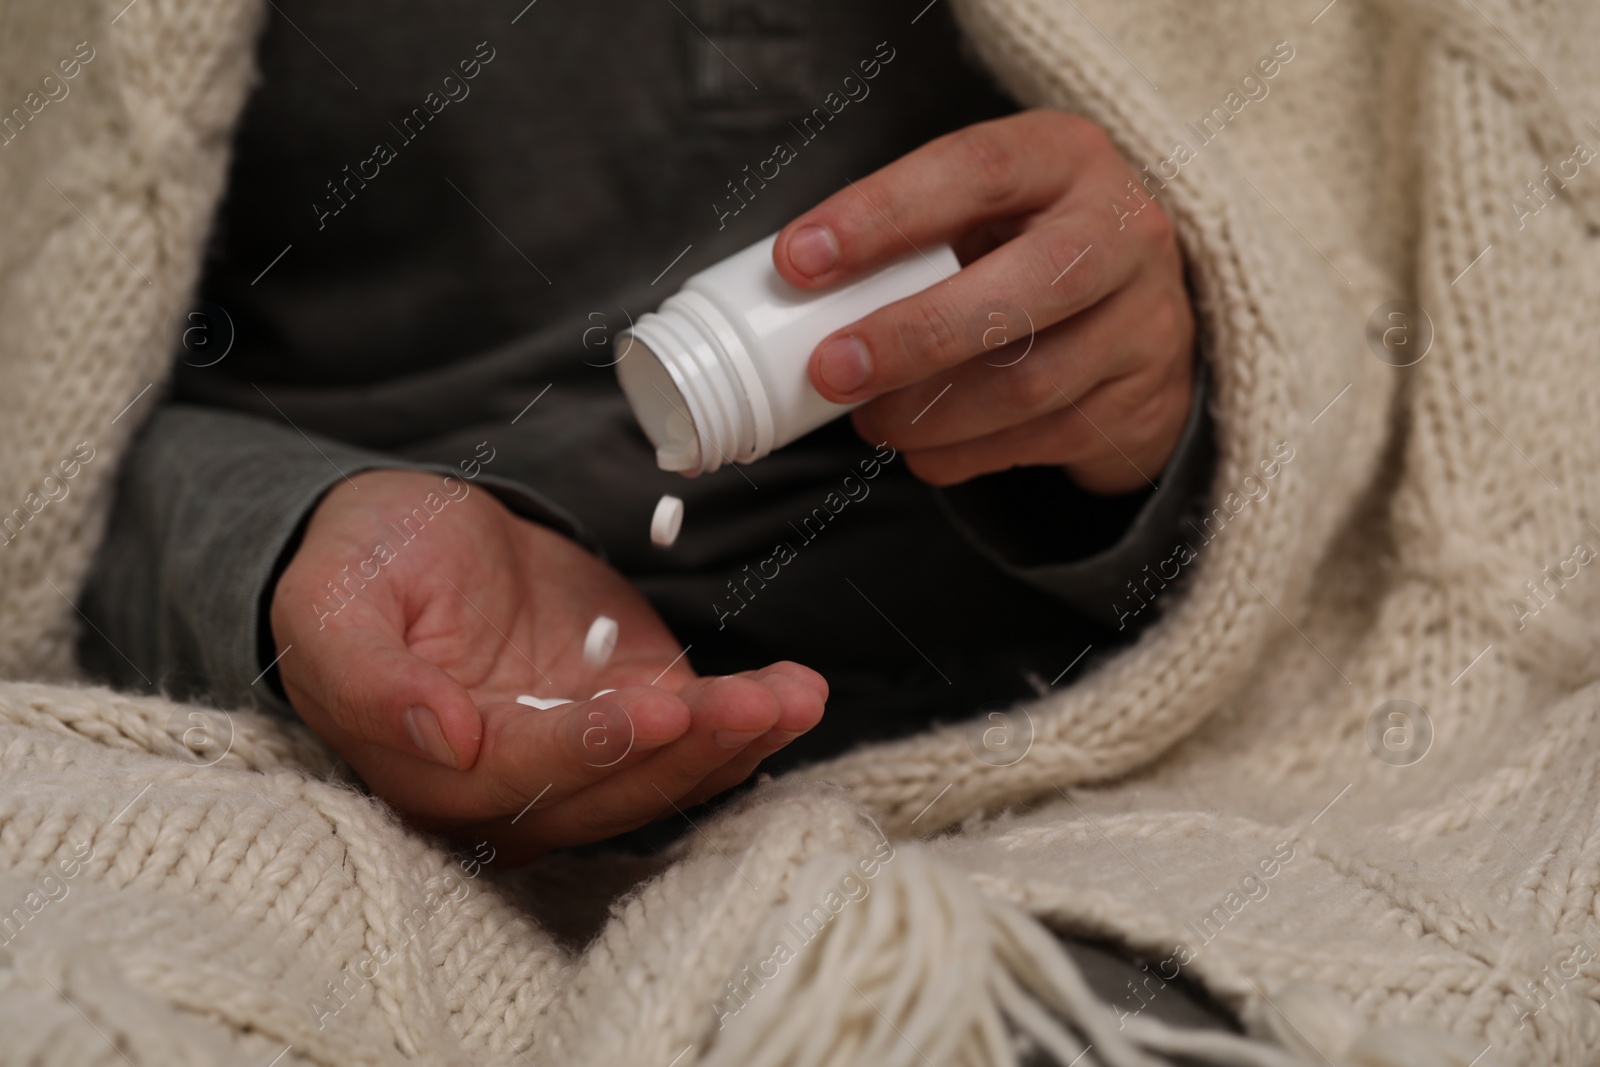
[{"x": 425, "y": 273}]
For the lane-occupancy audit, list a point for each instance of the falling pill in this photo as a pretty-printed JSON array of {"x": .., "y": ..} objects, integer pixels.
[
  {"x": 599, "y": 642},
  {"x": 543, "y": 703},
  {"x": 666, "y": 521}
]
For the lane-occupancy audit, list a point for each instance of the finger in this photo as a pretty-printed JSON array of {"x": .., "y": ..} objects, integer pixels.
[
  {"x": 1146, "y": 413},
  {"x": 796, "y": 686},
  {"x": 373, "y": 690},
  {"x": 561, "y": 751},
  {"x": 1051, "y": 271},
  {"x": 539, "y": 758},
  {"x": 730, "y": 712},
  {"x": 533, "y": 758},
  {"x": 981, "y": 173},
  {"x": 608, "y": 809},
  {"x": 1023, "y": 379},
  {"x": 802, "y": 694}
]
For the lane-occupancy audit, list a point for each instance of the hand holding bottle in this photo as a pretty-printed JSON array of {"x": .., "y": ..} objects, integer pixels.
[{"x": 1039, "y": 210}]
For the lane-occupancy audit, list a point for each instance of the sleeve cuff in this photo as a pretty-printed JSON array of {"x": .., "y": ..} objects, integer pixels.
[{"x": 210, "y": 506}]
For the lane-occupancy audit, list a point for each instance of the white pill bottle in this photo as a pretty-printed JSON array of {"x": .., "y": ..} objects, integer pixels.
[{"x": 717, "y": 374}]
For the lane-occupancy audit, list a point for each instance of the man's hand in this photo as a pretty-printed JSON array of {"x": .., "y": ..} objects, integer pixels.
[
  {"x": 407, "y": 659},
  {"x": 1040, "y": 210}
]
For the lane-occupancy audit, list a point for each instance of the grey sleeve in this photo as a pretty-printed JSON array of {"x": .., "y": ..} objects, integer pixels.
[
  {"x": 1085, "y": 549},
  {"x": 209, "y": 505}
]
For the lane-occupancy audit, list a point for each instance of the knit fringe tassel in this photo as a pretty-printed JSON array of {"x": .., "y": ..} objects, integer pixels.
[{"x": 919, "y": 968}]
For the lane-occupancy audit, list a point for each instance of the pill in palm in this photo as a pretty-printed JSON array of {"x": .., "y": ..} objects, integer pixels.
[
  {"x": 543, "y": 703},
  {"x": 666, "y": 521},
  {"x": 599, "y": 642}
]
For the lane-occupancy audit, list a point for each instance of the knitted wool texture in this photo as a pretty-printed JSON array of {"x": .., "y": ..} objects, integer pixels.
[{"x": 215, "y": 902}]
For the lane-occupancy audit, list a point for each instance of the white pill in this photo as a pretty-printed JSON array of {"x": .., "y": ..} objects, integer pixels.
[
  {"x": 667, "y": 521},
  {"x": 599, "y": 642},
  {"x": 543, "y": 704}
]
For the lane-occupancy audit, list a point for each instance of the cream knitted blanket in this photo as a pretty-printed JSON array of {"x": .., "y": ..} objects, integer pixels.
[{"x": 1344, "y": 780}]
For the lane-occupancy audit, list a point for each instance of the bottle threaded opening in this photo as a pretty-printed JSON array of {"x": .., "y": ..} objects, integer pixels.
[{"x": 689, "y": 393}]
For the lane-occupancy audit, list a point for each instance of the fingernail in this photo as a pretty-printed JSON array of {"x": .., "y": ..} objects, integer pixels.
[
  {"x": 783, "y": 737},
  {"x": 423, "y": 728},
  {"x": 813, "y": 250},
  {"x": 843, "y": 363},
  {"x": 735, "y": 738}
]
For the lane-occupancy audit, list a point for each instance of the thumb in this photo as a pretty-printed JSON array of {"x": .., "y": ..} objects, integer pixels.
[{"x": 377, "y": 691}]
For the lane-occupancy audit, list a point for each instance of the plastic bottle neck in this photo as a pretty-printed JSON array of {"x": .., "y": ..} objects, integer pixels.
[{"x": 701, "y": 403}]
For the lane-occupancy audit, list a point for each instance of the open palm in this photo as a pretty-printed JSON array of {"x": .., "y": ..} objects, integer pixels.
[{"x": 412, "y": 674}]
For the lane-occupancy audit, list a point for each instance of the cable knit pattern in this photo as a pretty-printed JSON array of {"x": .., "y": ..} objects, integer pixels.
[
  {"x": 162, "y": 903},
  {"x": 105, "y": 196}
]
